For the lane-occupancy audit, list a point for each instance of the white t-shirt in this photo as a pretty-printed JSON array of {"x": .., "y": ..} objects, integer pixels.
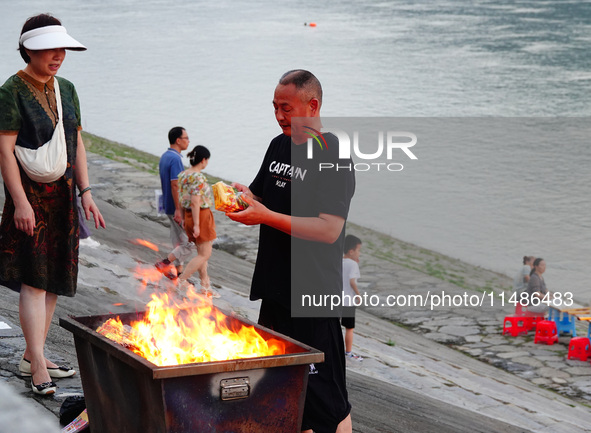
[{"x": 350, "y": 271}]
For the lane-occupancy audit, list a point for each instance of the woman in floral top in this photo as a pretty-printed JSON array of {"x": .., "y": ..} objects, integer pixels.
[{"x": 196, "y": 200}]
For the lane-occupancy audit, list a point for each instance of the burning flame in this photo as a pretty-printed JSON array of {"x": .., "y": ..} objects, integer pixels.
[
  {"x": 147, "y": 275},
  {"x": 145, "y": 243},
  {"x": 191, "y": 332}
]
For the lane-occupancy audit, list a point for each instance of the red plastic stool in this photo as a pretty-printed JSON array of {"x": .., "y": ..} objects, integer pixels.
[
  {"x": 532, "y": 321},
  {"x": 546, "y": 332},
  {"x": 579, "y": 348},
  {"x": 520, "y": 309},
  {"x": 514, "y": 325}
]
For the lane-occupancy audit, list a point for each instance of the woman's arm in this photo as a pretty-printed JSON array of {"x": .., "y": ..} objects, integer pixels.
[
  {"x": 195, "y": 208},
  {"x": 88, "y": 204},
  {"x": 24, "y": 217}
]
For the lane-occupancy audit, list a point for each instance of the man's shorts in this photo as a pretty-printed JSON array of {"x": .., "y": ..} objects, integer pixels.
[{"x": 327, "y": 400}]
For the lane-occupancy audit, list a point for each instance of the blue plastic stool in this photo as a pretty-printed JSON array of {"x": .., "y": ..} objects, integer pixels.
[{"x": 565, "y": 324}]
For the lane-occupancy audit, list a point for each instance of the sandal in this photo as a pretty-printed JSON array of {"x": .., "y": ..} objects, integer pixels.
[
  {"x": 167, "y": 269},
  {"x": 46, "y": 388},
  {"x": 58, "y": 372}
]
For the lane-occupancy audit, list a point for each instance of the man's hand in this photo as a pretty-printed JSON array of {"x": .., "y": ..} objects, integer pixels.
[
  {"x": 178, "y": 216},
  {"x": 243, "y": 189},
  {"x": 255, "y": 213}
]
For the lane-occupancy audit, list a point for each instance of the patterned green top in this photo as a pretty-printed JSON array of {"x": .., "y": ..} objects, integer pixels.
[
  {"x": 28, "y": 107},
  {"x": 193, "y": 183}
]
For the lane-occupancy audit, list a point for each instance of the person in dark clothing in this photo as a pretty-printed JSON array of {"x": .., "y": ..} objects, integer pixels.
[{"x": 302, "y": 214}]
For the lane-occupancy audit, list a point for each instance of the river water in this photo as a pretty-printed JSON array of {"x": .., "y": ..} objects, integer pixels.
[{"x": 212, "y": 67}]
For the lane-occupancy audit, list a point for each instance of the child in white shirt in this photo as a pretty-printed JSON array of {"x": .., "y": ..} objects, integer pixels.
[{"x": 351, "y": 295}]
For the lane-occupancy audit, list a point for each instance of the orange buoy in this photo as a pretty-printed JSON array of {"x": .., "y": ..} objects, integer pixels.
[{"x": 312, "y": 24}]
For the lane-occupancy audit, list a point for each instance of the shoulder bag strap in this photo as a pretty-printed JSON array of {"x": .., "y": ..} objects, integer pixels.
[{"x": 58, "y": 101}]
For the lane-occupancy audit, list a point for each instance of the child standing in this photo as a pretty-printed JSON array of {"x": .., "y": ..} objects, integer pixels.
[
  {"x": 350, "y": 290},
  {"x": 196, "y": 199}
]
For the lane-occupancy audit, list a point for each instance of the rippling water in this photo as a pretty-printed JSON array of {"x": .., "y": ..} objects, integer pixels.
[{"x": 212, "y": 68}]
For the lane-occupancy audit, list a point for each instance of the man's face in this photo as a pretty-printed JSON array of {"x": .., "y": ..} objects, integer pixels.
[
  {"x": 183, "y": 141},
  {"x": 288, "y": 102}
]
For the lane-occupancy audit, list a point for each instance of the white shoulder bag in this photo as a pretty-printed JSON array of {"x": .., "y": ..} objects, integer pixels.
[{"x": 47, "y": 163}]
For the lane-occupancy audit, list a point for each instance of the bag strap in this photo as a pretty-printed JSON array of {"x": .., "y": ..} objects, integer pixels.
[{"x": 58, "y": 100}]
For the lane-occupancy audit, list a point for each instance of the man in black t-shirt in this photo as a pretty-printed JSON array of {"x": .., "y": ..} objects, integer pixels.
[{"x": 302, "y": 212}]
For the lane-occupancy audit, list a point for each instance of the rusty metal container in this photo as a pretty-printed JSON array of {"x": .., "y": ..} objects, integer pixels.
[{"x": 126, "y": 393}]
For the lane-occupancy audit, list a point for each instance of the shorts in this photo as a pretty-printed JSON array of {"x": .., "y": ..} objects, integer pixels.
[
  {"x": 348, "y": 317},
  {"x": 206, "y": 226},
  {"x": 327, "y": 400}
]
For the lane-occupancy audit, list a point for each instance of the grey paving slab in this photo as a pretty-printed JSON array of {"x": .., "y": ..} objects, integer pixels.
[
  {"x": 8, "y": 329},
  {"x": 21, "y": 415}
]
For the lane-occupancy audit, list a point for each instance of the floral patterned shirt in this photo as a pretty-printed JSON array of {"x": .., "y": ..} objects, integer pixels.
[{"x": 192, "y": 183}]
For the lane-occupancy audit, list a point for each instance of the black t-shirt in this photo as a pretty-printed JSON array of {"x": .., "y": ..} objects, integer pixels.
[{"x": 290, "y": 183}]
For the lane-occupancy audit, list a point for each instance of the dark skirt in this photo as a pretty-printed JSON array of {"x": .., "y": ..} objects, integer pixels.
[{"x": 48, "y": 260}]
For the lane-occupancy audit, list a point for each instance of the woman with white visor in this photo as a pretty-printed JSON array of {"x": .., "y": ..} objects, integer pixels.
[{"x": 43, "y": 160}]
